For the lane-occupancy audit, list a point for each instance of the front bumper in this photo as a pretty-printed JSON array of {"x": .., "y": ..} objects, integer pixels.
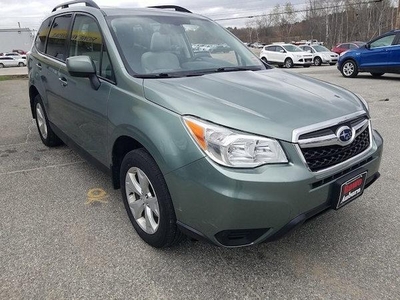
[{"x": 233, "y": 207}]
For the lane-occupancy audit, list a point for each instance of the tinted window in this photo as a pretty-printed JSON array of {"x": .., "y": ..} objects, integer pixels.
[
  {"x": 353, "y": 46},
  {"x": 383, "y": 42},
  {"x": 270, "y": 48},
  {"x": 345, "y": 46},
  {"x": 58, "y": 37},
  {"x": 40, "y": 42},
  {"x": 86, "y": 39}
]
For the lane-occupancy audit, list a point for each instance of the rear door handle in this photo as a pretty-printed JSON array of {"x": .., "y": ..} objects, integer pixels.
[
  {"x": 39, "y": 65},
  {"x": 63, "y": 81}
]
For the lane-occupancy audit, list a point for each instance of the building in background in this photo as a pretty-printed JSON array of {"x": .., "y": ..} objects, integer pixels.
[{"x": 16, "y": 39}]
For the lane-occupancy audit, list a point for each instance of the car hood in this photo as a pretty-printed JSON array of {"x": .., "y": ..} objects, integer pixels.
[{"x": 270, "y": 103}]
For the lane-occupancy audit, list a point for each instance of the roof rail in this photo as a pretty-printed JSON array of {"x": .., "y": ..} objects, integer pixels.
[
  {"x": 177, "y": 8},
  {"x": 67, "y": 4}
]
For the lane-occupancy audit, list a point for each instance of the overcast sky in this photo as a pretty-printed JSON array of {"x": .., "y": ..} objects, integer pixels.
[{"x": 30, "y": 13}]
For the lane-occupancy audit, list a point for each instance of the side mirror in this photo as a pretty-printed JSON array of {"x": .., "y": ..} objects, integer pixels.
[
  {"x": 282, "y": 51},
  {"x": 309, "y": 51},
  {"x": 83, "y": 66},
  {"x": 368, "y": 45}
]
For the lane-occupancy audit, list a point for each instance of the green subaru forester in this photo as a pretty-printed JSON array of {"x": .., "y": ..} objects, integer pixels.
[{"x": 202, "y": 137}]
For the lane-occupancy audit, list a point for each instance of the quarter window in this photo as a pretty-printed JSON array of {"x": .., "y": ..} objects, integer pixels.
[
  {"x": 58, "y": 37},
  {"x": 86, "y": 39},
  {"x": 40, "y": 41}
]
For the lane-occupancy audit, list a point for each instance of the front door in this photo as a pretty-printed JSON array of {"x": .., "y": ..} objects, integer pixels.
[{"x": 87, "y": 108}]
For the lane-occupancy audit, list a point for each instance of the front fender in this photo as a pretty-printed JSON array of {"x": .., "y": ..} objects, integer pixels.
[{"x": 159, "y": 130}]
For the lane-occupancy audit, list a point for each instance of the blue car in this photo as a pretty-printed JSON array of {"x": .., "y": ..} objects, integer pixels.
[{"x": 379, "y": 56}]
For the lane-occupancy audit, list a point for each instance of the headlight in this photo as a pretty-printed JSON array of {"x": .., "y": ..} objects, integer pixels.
[
  {"x": 232, "y": 148},
  {"x": 364, "y": 102}
]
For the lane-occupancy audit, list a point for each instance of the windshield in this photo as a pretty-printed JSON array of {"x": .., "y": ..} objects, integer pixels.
[
  {"x": 321, "y": 49},
  {"x": 292, "y": 48},
  {"x": 178, "y": 46}
]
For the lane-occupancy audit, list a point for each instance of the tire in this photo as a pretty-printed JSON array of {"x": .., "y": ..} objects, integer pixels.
[
  {"x": 317, "y": 61},
  {"x": 47, "y": 135},
  {"x": 140, "y": 171},
  {"x": 1, "y": 66},
  {"x": 349, "y": 69},
  {"x": 377, "y": 74},
  {"x": 264, "y": 59},
  {"x": 332, "y": 64},
  {"x": 21, "y": 64},
  {"x": 288, "y": 63},
  {"x": 306, "y": 66}
]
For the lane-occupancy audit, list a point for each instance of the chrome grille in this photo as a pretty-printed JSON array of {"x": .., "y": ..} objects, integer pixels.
[
  {"x": 319, "y": 158},
  {"x": 322, "y": 148}
]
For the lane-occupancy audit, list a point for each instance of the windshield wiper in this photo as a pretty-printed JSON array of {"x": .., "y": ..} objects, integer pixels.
[
  {"x": 159, "y": 75},
  {"x": 233, "y": 69}
]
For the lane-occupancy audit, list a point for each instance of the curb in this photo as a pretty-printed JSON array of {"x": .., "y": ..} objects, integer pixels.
[{"x": 11, "y": 77}]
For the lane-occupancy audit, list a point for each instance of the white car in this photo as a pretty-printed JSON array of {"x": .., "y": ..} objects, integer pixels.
[
  {"x": 10, "y": 61},
  {"x": 321, "y": 54},
  {"x": 286, "y": 55}
]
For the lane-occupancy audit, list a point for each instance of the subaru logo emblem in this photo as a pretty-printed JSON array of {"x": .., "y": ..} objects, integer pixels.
[{"x": 345, "y": 135}]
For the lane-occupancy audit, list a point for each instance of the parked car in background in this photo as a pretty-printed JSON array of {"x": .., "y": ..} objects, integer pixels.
[
  {"x": 321, "y": 55},
  {"x": 9, "y": 61},
  {"x": 339, "y": 48},
  {"x": 19, "y": 51},
  {"x": 286, "y": 55},
  {"x": 379, "y": 56}
]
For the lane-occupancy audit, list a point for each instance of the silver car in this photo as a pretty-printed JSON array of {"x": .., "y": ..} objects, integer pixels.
[{"x": 321, "y": 54}]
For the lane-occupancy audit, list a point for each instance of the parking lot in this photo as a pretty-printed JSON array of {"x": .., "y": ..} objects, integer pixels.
[{"x": 64, "y": 232}]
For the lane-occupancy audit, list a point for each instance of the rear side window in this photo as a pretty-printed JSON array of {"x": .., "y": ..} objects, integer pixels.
[
  {"x": 58, "y": 37},
  {"x": 41, "y": 37},
  {"x": 86, "y": 39}
]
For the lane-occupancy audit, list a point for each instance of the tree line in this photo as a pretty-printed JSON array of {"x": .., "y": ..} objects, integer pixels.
[{"x": 329, "y": 21}]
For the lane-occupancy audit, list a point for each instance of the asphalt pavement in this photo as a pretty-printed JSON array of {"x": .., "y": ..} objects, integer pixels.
[{"x": 64, "y": 232}]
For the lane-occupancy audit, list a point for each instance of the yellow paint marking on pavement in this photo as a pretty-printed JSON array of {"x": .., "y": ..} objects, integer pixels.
[{"x": 96, "y": 195}]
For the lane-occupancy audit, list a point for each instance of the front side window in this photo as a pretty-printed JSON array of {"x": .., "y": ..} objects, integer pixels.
[
  {"x": 383, "y": 42},
  {"x": 178, "y": 46},
  {"x": 41, "y": 37},
  {"x": 86, "y": 39},
  {"x": 345, "y": 46},
  {"x": 57, "y": 39}
]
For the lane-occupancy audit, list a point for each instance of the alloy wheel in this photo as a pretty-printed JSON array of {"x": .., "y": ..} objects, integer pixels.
[
  {"x": 41, "y": 120},
  {"x": 142, "y": 200}
]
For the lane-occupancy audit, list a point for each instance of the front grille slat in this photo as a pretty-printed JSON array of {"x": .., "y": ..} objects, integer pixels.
[{"x": 319, "y": 158}]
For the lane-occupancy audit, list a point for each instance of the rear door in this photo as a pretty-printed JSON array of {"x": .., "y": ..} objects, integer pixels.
[{"x": 394, "y": 56}]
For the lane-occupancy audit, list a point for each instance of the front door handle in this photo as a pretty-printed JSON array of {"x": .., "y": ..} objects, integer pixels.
[
  {"x": 63, "y": 81},
  {"x": 39, "y": 65}
]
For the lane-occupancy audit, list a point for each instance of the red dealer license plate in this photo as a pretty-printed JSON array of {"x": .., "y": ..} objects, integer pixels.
[{"x": 351, "y": 189}]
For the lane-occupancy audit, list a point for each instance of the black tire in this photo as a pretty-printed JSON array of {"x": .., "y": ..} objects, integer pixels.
[
  {"x": 349, "y": 69},
  {"x": 306, "y": 66},
  {"x": 167, "y": 232},
  {"x": 21, "y": 64},
  {"x": 317, "y": 61},
  {"x": 377, "y": 74},
  {"x": 1, "y": 66},
  {"x": 50, "y": 139},
  {"x": 332, "y": 64},
  {"x": 264, "y": 59},
  {"x": 288, "y": 63}
]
